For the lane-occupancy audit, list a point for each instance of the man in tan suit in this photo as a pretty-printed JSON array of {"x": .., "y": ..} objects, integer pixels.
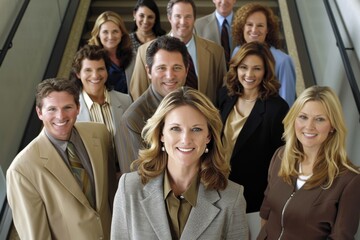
[
  {"x": 208, "y": 57},
  {"x": 50, "y": 197}
]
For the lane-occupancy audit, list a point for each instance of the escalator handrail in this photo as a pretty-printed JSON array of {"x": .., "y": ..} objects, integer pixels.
[
  {"x": 8, "y": 42},
  {"x": 345, "y": 58}
]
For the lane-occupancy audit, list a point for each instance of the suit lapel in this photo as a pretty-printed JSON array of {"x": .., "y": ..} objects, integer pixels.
[
  {"x": 202, "y": 215},
  {"x": 214, "y": 31},
  {"x": 254, "y": 120},
  {"x": 56, "y": 165},
  {"x": 154, "y": 208},
  {"x": 94, "y": 150}
]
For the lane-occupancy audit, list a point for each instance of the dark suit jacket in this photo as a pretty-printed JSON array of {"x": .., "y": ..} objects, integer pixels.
[
  {"x": 310, "y": 214},
  {"x": 255, "y": 145},
  {"x": 140, "y": 212},
  {"x": 132, "y": 123}
]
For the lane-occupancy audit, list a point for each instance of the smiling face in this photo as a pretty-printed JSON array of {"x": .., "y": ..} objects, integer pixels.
[
  {"x": 110, "y": 35},
  {"x": 224, "y": 7},
  {"x": 168, "y": 72},
  {"x": 185, "y": 137},
  {"x": 145, "y": 19},
  {"x": 312, "y": 126},
  {"x": 58, "y": 114},
  {"x": 255, "y": 28},
  {"x": 251, "y": 72},
  {"x": 93, "y": 75},
  {"x": 182, "y": 21}
]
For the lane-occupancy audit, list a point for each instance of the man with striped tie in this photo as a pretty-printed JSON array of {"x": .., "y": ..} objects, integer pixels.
[{"x": 61, "y": 186}]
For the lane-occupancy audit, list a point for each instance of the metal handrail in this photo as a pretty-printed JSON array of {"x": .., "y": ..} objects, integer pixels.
[
  {"x": 347, "y": 65},
  {"x": 8, "y": 42}
]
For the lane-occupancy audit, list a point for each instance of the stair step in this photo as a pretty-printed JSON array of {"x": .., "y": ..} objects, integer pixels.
[{"x": 125, "y": 9}]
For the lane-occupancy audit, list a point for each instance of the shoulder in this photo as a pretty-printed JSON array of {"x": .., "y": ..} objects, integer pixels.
[
  {"x": 90, "y": 126},
  {"x": 232, "y": 193},
  {"x": 122, "y": 97},
  {"x": 277, "y": 102},
  {"x": 203, "y": 20},
  {"x": 137, "y": 108},
  {"x": 279, "y": 55},
  {"x": 210, "y": 45},
  {"x": 130, "y": 182}
]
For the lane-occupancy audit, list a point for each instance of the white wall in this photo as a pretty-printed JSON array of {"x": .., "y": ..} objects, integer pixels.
[
  {"x": 24, "y": 67},
  {"x": 327, "y": 63},
  {"x": 326, "y": 60}
]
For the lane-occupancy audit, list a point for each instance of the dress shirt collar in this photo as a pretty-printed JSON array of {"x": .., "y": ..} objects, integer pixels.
[
  {"x": 189, "y": 195},
  {"x": 89, "y": 102},
  {"x": 220, "y": 19}
]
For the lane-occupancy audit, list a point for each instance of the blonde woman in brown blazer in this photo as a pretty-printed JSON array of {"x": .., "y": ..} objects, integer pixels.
[{"x": 313, "y": 190}]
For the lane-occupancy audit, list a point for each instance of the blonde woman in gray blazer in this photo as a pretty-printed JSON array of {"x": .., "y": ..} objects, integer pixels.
[
  {"x": 181, "y": 188},
  {"x": 89, "y": 72}
]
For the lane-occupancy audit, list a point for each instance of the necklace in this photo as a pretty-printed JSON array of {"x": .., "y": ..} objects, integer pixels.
[{"x": 249, "y": 100}]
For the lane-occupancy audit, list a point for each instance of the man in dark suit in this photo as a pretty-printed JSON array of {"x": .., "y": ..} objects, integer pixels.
[
  {"x": 58, "y": 186},
  {"x": 166, "y": 66},
  {"x": 208, "y": 59}
]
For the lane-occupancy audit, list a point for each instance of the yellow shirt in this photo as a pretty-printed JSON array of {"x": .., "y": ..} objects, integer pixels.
[{"x": 234, "y": 123}]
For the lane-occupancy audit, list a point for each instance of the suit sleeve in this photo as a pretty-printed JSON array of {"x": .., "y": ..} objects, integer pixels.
[
  {"x": 238, "y": 226},
  {"x": 347, "y": 217},
  {"x": 139, "y": 79},
  {"x": 130, "y": 143},
  {"x": 119, "y": 224},
  {"x": 29, "y": 213},
  {"x": 272, "y": 173}
]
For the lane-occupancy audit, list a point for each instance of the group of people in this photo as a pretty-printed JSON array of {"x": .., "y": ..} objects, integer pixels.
[{"x": 179, "y": 135}]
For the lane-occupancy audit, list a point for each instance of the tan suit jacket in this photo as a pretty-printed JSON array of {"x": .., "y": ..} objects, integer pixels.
[
  {"x": 211, "y": 68},
  {"x": 47, "y": 202}
]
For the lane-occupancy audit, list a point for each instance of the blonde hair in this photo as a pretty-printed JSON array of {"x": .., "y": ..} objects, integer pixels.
[
  {"x": 124, "y": 50},
  {"x": 214, "y": 170},
  {"x": 332, "y": 158}
]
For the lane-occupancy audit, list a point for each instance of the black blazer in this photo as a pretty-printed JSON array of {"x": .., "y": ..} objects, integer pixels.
[{"x": 255, "y": 145}]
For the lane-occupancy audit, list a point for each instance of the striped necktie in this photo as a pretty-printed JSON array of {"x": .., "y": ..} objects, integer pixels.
[
  {"x": 191, "y": 79},
  {"x": 225, "y": 41},
  {"x": 80, "y": 173}
]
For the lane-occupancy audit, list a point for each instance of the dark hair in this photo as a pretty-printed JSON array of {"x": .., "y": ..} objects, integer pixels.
[
  {"x": 167, "y": 43},
  {"x": 50, "y": 85},
  {"x": 90, "y": 52},
  {"x": 158, "y": 31},
  {"x": 124, "y": 51},
  {"x": 171, "y": 4},
  {"x": 269, "y": 85},
  {"x": 242, "y": 14}
]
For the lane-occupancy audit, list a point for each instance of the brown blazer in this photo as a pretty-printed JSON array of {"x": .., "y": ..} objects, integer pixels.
[
  {"x": 210, "y": 64},
  {"x": 47, "y": 202},
  {"x": 310, "y": 214}
]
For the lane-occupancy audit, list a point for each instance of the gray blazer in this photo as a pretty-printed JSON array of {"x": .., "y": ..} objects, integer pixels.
[
  {"x": 207, "y": 27},
  {"x": 140, "y": 212},
  {"x": 133, "y": 121},
  {"x": 119, "y": 103}
]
